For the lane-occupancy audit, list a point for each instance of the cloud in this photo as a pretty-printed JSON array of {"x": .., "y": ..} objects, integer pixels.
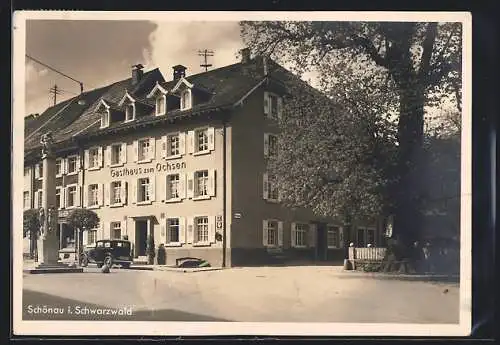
[{"x": 174, "y": 43}]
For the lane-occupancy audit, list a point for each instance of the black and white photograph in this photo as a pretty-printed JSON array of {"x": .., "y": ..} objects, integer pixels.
[{"x": 241, "y": 173}]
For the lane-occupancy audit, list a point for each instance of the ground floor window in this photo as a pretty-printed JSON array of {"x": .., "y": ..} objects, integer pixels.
[
  {"x": 333, "y": 237},
  {"x": 300, "y": 235},
  {"x": 271, "y": 233},
  {"x": 201, "y": 229},
  {"x": 26, "y": 200},
  {"x": 92, "y": 236},
  {"x": 173, "y": 228},
  {"x": 365, "y": 237},
  {"x": 116, "y": 230}
]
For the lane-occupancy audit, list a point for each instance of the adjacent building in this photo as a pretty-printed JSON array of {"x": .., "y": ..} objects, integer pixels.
[{"x": 183, "y": 161}]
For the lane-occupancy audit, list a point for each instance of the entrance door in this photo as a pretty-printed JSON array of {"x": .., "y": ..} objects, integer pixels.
[
  {"x": 141, "y": 233},
  {"x": 321, "y": 241}
]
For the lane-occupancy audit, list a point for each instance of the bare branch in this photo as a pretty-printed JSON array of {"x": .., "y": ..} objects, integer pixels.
[{"x": 371, "y": 50}]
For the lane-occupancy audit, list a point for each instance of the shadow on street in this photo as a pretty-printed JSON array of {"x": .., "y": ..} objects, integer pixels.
[{"x": 32, "y": 299}]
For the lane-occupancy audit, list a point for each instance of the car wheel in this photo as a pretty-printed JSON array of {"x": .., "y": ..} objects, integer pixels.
[
  {"x": 126, "y": 265},
  {"x": 108, "y": 261},
  {"x": 84, "y": 260},
  {"x": 99, "y": 265}
]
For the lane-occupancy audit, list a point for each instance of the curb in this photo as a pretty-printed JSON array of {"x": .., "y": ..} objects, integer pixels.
[
  {"x": 174, "y": 269},
  {"x": 406, "y": 277}
]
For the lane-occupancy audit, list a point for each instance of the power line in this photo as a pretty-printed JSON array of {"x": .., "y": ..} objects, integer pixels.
[
  {"x": 55, "y": 70},
  {"x": 205, "y": 53}
]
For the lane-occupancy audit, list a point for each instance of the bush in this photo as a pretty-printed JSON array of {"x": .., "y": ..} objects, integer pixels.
[{"x": 150, "y": 250}]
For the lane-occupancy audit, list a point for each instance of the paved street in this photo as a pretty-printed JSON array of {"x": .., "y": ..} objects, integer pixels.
[{"x": 279, "y": 294}]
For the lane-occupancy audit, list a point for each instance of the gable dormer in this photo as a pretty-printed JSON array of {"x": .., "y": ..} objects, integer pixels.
[
  {"x": 103, "y": 108},
  {"x": 159, "y": 94},
  {"x": 128, "y": 104},
  {"x": 183, "y": 89}
]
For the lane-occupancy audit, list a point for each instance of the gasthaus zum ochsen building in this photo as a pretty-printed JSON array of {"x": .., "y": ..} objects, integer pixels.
[{"x": 183, "y": 161}]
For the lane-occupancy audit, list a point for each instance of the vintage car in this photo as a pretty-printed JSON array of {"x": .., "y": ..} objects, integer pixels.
[{"x": 108, "y": 252}]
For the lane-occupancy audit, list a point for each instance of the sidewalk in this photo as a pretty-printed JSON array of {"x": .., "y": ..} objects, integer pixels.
[
  {"x": 430, "y": 277},
  {"x": 172, "y": 268}
]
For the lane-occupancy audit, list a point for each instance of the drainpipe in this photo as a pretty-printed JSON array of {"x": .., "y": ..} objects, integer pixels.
[{"x": 224, "y": 189}]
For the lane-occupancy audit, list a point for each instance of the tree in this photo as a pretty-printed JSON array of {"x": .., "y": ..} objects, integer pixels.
[
  {"x": 31, "y": 226},
  {"x": 81, "y": 219},
  {"x": 422, "y": 60}
]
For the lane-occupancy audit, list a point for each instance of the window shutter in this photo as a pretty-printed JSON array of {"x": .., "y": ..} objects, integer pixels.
[
  {"x": 63, "y": 197},
  {"x": 124, "y": 192},
  {"x": 266, "y": 103},
  {"x": 64, "y": 166},
  {"x": 293, "y": 239},
  {"x": 107, "y": 193},
  {"x": 164, "y": 146},
  {"x": 280, "y": 107},
  {"x": 136, "y": 150},
  {"x": 341, "y": 237},
  {"x": 190, "y": 142},
  {"x": 36, "y": 199},
  {"x": 78, "y": 193},
  {"x": 190, "y": 185},
  {"x": 85, "y": 236},
  {"x": 86, "y": 159},
  {"x": 134, "y": 191},
  {"x": 182, "y": 186},
  {"x": 152, "y": 188},
  {"x": 124, "y": 227},
  {"x": 37, "y": 170},
  {"x": 211, "y": 229},
  {"x": 100, "y": 193},
  {"x": 123, "y": 153},
  {"x": 280, "y": 234},
  {"x": 190, "y": 230},
  {"x": 264, "y": 233},
  {"x": 311, "y": 235},
  {"x": 265, "y": 190},
  {"x": 167, "y": 187},
  {"x": 182, "y": 143},
  {"x": 266, "y": 144},
  {"x": 108, "y": 155},
  {"x": 211, "y": 138},
  {"x": 182, "y": 230},
  {"x": 152, "y": 148},
  {"x": 211, "y": 182},
  {"x": 164, "y": 231},
  {"x": 85, "y": 196},
  {"x": 100, "y": 157}
]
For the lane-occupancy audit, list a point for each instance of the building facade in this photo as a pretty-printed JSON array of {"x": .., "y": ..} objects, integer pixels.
[{"x": 183, "y": 161}]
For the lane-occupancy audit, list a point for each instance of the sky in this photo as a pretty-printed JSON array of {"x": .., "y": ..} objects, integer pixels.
[{"x": 99, "y": 53}]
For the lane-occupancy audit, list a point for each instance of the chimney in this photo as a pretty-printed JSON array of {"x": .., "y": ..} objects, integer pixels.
[
  {"x": 137, "y": 73},
  {"x": 245, "y": 55},
  {"x": 179, "y": 72}
]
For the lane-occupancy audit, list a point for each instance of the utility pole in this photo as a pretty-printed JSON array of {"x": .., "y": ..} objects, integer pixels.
[
  {"x": 55, "y": 91},
  {"x": 205, "y": 53}
]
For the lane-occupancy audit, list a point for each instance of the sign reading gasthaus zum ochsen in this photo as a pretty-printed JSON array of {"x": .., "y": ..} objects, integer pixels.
[{"x": 159, "y": 167}]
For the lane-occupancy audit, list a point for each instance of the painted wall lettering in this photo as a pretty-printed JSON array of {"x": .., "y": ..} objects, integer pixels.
[{"x": 159, "y": 167}]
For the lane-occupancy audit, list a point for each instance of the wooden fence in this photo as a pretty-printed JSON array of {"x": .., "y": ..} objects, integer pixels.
[{"x": 367, "y": 254}]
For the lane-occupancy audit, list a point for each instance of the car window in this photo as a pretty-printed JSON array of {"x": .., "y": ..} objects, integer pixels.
[
  {"x": 107, "y": 244},
  {"x": 100, "y": 244},
  {"x": 119, "y": 244}
]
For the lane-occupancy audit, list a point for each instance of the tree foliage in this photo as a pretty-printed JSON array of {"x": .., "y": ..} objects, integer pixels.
[
  {"x": 81, "y": 218},
  {"x": 31, "y": 223},
  {"x": 422, "y": 61}
]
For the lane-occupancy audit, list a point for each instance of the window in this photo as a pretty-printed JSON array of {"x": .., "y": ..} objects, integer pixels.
[
  {"x": 201, "y": 229},
  {"x": 301, "y": 235},
  {"x": 59, "y": 167},
  {"x": 272, "y": 233},
  {"x": 116, "y": 154},
  {"x": 105, "y": 119},
  {"x": 271, "y": 192},
  {"x": 91, "y": 236},
  {"x": 273, "y": 103},
  {"x": 71, "y": 196},
  {"x": 173, "y": 186},
  {"x": 173, "y": 145},
  {"x": 201, "y": 183},
  {"x": 40, "y": 171},
  {"x": 26, "y": 200},
  {"x": 173, "y": 229},
  {"x": 144, "y": 190},
  {"x": 93, "y": 196},
  {"x": 116, "y": 230},
  {"x": 201, "y": 140},
  {"x": 72, "y": 165},
  {"x": 58, "y": 197},
  {"x": 160, "y": 105},
  {"x": 185, "y": 99},
  {"x": 40, "y": 198},
  {"x": 116, "y": 192},
  {"x": 273, "y": 145},
  {"x": 333, "y": 237},
  {"x": 94, "y": 158},
  {"x": 361, "y": 237},
  {"x": 370, "y": 236},
  {"x": 129, "y": 112},
  {"x": 144, "y": 148},
  {"x": 26, "y": 172}
]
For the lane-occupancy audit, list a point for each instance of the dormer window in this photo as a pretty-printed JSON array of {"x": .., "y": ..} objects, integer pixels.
[
  {"x": 186, "y": 99},
  {"x": 105, "y": 119},
  {"x": 160, "y": 105},
  {"x": 129, "y": 112},
  {"x": 103, "y": 109}
]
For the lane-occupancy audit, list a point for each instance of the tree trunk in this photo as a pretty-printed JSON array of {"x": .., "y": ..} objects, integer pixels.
[{"x": 408, "y": 217}]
